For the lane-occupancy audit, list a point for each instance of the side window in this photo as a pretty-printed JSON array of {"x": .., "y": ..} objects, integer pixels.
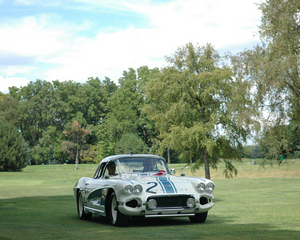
[
  {"x": 110, "y": 169},
  {"x": 106, "y": 172},
  {"x": 99, "y": 170},
  {"x": 102, "y": 169}
]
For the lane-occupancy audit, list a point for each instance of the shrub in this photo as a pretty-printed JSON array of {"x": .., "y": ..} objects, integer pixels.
[{"x": 13, "y": 156}]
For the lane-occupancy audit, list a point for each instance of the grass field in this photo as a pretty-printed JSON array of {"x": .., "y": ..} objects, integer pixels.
[{"x": 38, "y": 203}]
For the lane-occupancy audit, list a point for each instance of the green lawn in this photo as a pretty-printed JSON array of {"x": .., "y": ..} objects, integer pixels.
[{"x": 37, "y": 203}]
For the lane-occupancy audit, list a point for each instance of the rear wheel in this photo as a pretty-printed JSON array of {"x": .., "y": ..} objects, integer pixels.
[
  {"x": 116, "y": 217},
  {"x": 199, "y": 218},
  {"x": 80, "y": 209}
]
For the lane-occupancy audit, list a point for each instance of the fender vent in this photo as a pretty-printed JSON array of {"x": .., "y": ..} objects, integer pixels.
[
  {"x": 133, "y": 203},
  {"x": 204, "y": 200}
]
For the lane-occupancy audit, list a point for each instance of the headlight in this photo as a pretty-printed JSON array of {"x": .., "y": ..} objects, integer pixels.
[
  {"x": 201, "y": 187},
  {"x": 190, "y": 202},
  {"x": 138, "y": 188},
  {"x": 210, "y": 187},
  {"x": 128, "y": 189},
  {"x": 152, "y": 204}
]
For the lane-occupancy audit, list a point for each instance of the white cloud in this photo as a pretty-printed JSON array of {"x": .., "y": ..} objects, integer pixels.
[
  {"x": 39, "y": 2},
  {"x": 216, "y": 21},
  {"x": 47, "y": 39},
  {"x": 30, "y": 36},
  {"x": 108, "y": 54},
  {"x": 11, "y": 71},
  {"x": 5, "y": 83},
  {"x": 174, "y": 25}
]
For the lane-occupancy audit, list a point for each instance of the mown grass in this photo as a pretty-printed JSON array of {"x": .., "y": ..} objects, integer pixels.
[{"x": 38, "y": 203}]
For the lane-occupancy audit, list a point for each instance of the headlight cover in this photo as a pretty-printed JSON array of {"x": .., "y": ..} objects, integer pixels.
[
  {"x": 128, "y": 189},
  {"x": 201, "y": 187},
  {"x": 190, "y": 202},
  {"x": 138, "y": 188},
  {"x": 152, "y": 204},
  {"x": 210, "y": 187}
]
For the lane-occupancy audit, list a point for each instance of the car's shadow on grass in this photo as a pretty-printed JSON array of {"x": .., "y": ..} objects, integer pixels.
[
  {"x": 144, "y": 222},
  {"x": 215, "y": 227},
  {"x": 23, "y": 216},
  {"x": 164, "y": 221}
]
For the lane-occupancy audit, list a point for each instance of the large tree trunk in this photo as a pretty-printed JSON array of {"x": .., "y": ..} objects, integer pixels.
[
  {"x": 206, "y": 163},
  {"x": 168, "y": 151},
  {"x": 77, "y": 160}
]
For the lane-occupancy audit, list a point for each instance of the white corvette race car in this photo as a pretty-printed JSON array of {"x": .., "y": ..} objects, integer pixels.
[{"x": 141, "y": 185}]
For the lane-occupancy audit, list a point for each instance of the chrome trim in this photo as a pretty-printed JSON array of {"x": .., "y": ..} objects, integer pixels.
[
  {"x": 170, "y": 195},
  {"x": 172, "y": 215},
  {"x": 168, "y": 209},
  {"x": 95, "y": 211}
]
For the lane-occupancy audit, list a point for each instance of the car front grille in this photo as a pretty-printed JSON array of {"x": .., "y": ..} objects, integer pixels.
[{"x": 171, "y": 201}]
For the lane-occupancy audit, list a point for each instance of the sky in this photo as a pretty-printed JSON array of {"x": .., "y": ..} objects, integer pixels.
[{"x": 77, "y": 39}]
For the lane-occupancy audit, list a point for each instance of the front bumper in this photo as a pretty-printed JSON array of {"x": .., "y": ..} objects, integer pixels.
[{"x": 172, "y": 207}]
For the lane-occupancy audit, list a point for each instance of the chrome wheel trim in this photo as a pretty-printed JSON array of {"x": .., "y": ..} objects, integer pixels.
[
  {"x": 80, "y": 205},
  {"x": 114, "y": 209}
]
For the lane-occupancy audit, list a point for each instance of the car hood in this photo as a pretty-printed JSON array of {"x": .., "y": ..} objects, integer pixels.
[{"x": 161, "y": 184}]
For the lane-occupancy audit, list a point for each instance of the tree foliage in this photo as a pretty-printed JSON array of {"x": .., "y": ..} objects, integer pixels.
[
  {"x": 77, "y": 141},
  {"x": 13, "y": 155},
  {"x": 8, "y": 108},
  {"x": 125, "y": 107},
  {"x": 193, "y": 101},
  {"x": 198, "y": 109},
  {"x": 41, "y": 111},
  {"x": 48, "y": 148},
  {"x": 130, "y": 142},
  {"x": 273, "y": 69}
]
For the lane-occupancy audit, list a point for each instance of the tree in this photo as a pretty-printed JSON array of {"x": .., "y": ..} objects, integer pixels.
[
  {"x": 48, "y": 148},
  {"x": 42, "y": 105},
  {"x": 130, "y": 142},
  {"x": 273, "y": 68},
  {"x": 197, "y": 105},
  {"x": 279, "y": 140},
  {"x": 67, "y": 102},
  {"x": 34, "y": 111},
  {"x": 125, "y": 107},
  {"x": 13, "y": 155},
  {"x": 95, "y": 95},
  {"x": 77, "y": 136},
  {"x": 9, "y": 108},
  {"x": 247, "y": 152}
]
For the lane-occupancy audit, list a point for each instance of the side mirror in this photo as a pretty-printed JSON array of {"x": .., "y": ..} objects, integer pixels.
[
  {"x": 183, "y": 174},
  {"x": 173, "y": 171}
]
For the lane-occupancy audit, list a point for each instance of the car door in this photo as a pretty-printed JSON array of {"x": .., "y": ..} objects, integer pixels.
[{"x": 95, "y": 190}]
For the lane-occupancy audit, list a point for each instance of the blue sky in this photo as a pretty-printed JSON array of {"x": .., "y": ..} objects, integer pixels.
[{"x": 76, "y": 39}]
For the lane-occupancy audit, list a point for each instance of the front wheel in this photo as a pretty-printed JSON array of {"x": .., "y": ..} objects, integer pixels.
[
  {"x": 80, "y": 208},
  {"x": 199, "y": 218},
  {"x": 116, "y": 217}
]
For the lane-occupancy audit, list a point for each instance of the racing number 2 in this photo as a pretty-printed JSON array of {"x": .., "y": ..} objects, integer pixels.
[{"x": 153, "y": 186}]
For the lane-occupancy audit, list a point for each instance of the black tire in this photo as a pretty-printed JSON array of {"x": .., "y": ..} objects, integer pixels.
[
  {"x": 116, "y": 217},
  {"x": 199, "y": 218},
  {"x": 80, "y": 209}
]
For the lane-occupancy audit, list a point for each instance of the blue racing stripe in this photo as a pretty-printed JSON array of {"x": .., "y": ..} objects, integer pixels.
[
  {"x": 173, "y": 185},
  {"x": 162, "y": 187},
  {"x": 166, "y": 184}
]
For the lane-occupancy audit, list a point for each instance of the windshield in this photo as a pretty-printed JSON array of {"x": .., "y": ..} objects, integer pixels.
[{"x": 141, "y": 165}]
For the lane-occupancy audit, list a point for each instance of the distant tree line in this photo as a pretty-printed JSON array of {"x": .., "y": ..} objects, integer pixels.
[{"x": 199, "y": 109}]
